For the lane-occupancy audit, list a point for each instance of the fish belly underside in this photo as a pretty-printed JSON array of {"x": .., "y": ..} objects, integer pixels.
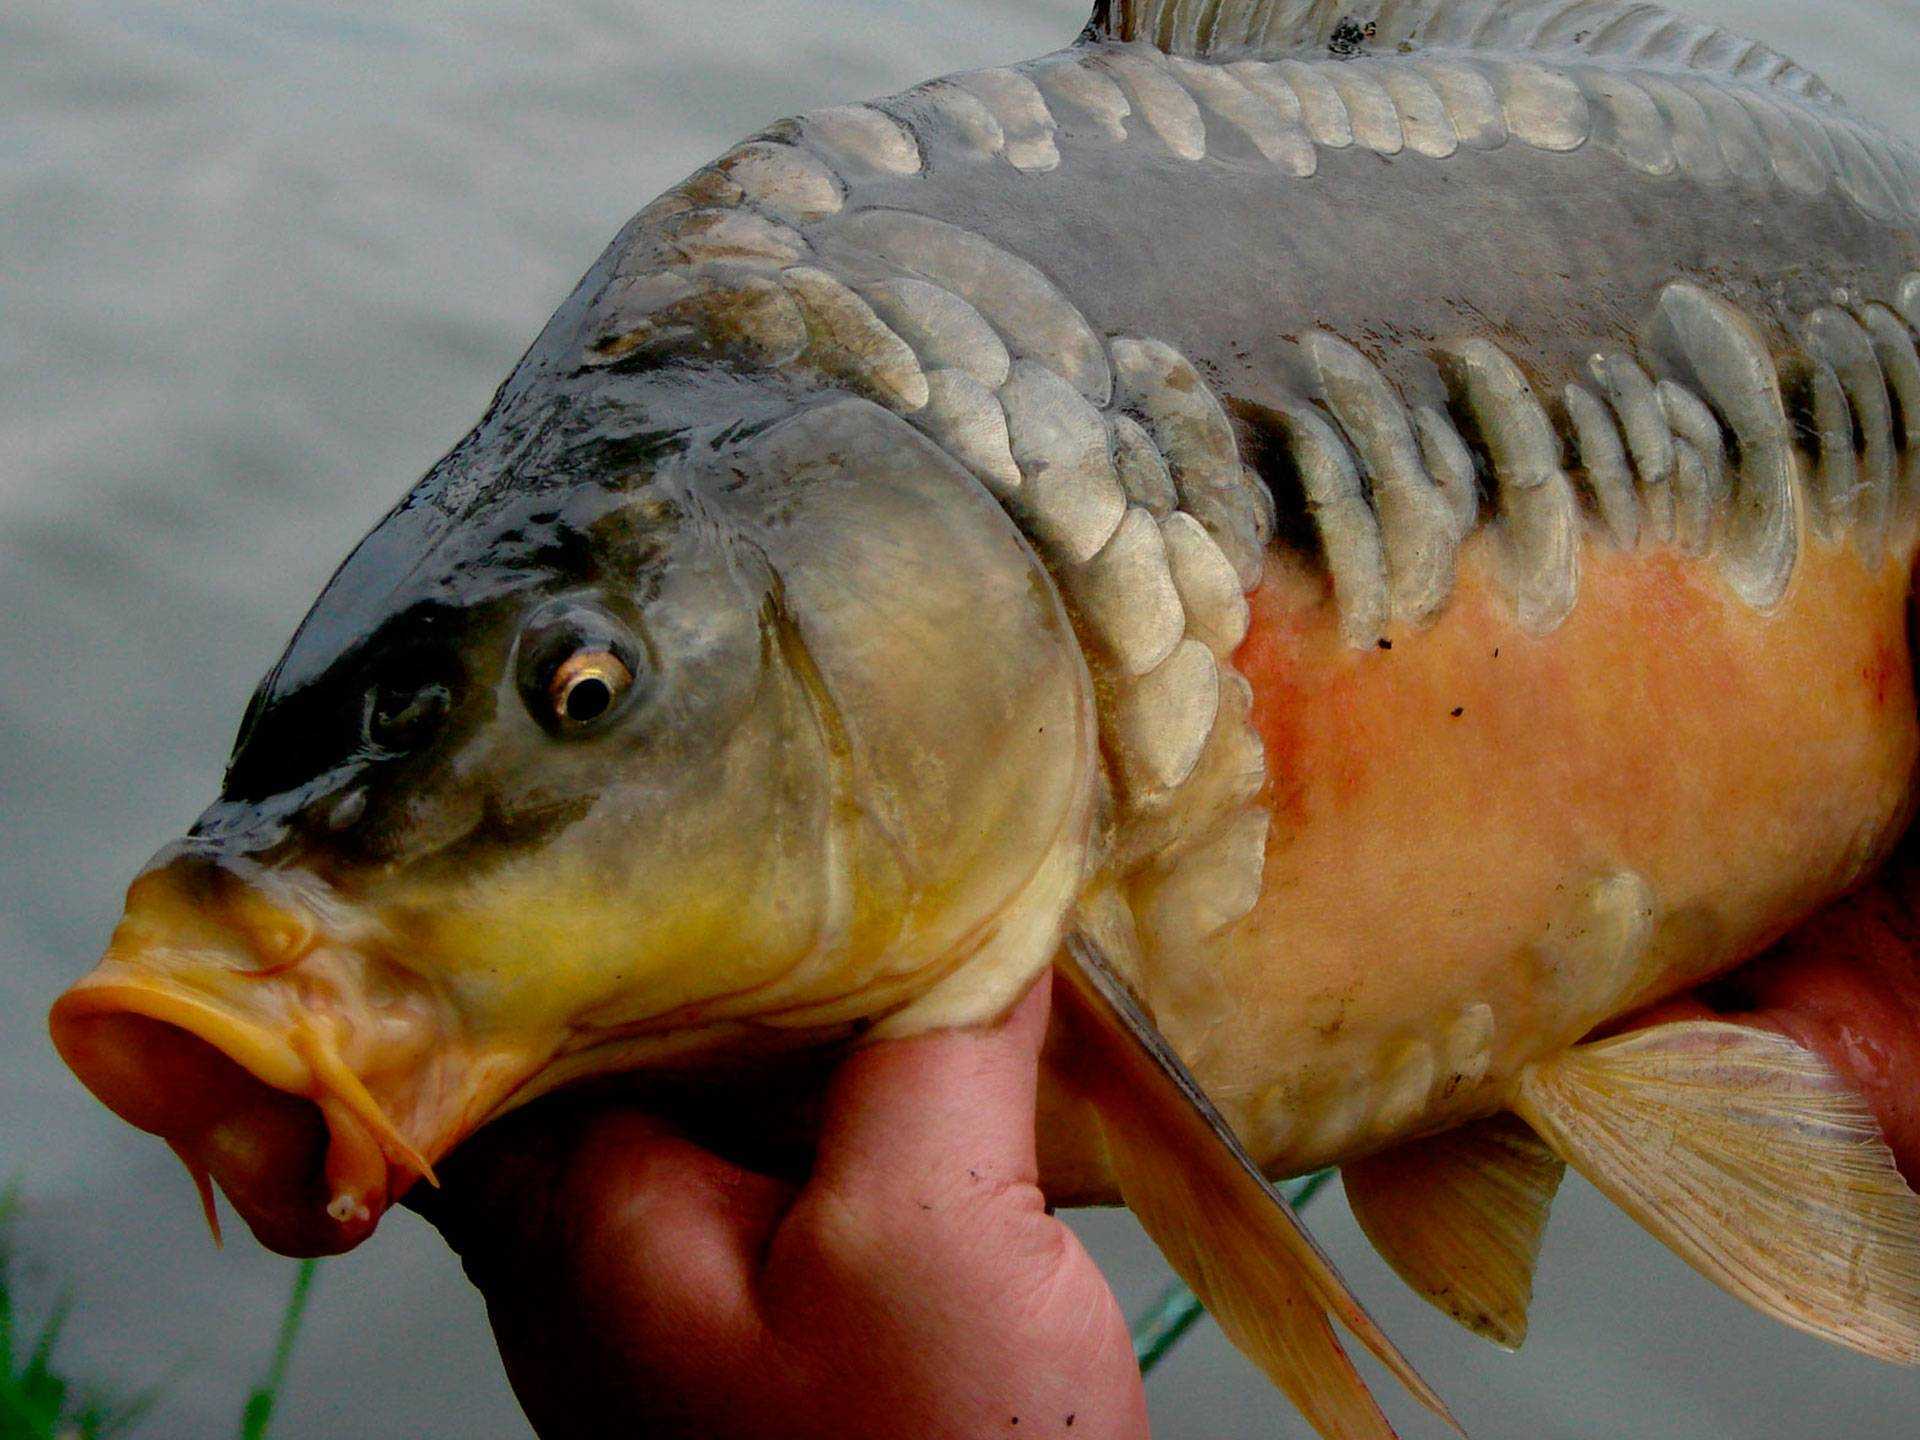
[{"x": 1485, "y": 845}]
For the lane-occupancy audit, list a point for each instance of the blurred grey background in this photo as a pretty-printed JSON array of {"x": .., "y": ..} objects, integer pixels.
[{"x": 261, "y": 262}]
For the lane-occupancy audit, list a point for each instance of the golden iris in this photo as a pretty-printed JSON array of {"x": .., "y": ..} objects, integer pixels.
[{"x": 588, "y": 684}]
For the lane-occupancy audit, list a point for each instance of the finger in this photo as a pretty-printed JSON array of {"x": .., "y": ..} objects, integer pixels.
[
  {"x": 601, "y": 1197},
  {"x": 941, "y": 1110},
  {"x": 616, "y": 1259},
  {"x": 501, "y": 1183},
  {"x": 654, "y": 1221}
]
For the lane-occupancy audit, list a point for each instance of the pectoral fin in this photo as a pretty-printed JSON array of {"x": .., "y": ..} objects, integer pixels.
[
  {"x": 1755, "y": 1163},
  {"x": 1222, "y": 1226},
  {"x": 1460, "y": 1218}
]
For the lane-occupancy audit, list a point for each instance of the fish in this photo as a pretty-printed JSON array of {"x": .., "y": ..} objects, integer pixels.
[{"x": 1373, "y": 540}]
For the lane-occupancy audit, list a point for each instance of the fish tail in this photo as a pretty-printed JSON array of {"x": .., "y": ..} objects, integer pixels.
[{"x": 1752, "y": 1160}]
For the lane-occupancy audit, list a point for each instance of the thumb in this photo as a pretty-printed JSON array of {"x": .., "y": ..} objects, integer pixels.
[{"x": 938, "y": 1108}]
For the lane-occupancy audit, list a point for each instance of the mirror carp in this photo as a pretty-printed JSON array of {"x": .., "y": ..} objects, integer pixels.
[{"x": 1376, "y": 538}]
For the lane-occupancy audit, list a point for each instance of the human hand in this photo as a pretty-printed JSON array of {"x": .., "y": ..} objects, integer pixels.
[{"x": 914, "y": 1286}]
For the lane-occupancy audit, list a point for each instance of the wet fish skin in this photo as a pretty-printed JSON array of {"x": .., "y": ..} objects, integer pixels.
[{"x": 751, "y": 808}]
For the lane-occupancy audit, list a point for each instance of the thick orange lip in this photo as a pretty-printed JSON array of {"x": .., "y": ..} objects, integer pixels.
[
  {"x": 302, "y": 1150},
  {"x": 269, "y": 1058}
]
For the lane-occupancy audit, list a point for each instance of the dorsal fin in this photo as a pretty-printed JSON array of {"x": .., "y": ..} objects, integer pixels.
[{"x": 1610, "y": 30}]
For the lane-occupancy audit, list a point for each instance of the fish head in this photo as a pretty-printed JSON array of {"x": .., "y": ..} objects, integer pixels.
[{"x": 682, "y": 746}]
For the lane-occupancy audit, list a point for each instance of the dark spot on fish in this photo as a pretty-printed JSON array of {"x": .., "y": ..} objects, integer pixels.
[
  {"x": 1070, "y": 1421},
  {"x": 1328, "y": 1016},
  {"x": 1349, "y": 39},
  {"x": 1496, "y": 654},
  {"x": 1458, "y": 711},
  {"x": 1386, "y": 644},
  {"x": 401, "y": 717}
]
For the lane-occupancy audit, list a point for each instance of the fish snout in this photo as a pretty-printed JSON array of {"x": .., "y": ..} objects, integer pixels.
[{"x": 311, "y": 1079}]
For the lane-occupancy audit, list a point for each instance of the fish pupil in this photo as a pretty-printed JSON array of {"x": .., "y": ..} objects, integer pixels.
[{"x": 588, "y": 699}]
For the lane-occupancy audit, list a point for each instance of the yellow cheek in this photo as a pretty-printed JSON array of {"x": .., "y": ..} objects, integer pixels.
[{"x": 551, "y": 946}]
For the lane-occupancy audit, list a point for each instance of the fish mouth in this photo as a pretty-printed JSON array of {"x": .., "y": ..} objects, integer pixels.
[
  {"x": 310, "y": 1169},
  {"x": 313, "y": 1090}
]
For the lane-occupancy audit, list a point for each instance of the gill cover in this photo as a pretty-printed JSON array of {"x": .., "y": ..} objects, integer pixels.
[{"x": 832, "y": 764}]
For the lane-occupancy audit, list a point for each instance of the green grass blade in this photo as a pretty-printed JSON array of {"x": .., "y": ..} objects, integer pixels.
[
  {"x": 41, "y": 1361},
  {"x": 9, "y": 1204},
  {"x": 37, "y": 1402},
  {"x": 1164, "y": 1325},
  {"x": 257, "y": 1417},
  {"x": 108, "y": 1421}
]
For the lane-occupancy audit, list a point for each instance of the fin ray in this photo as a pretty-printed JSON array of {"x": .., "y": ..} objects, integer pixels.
[
  {"x": 1460, "y": 1218},
  {"x": 1755, "y": 1163},
  {"x": 1260, "y": 1302},
  {"x": 1221, "y": 1224}
]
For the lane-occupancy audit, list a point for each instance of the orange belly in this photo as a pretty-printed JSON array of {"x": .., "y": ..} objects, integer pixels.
[{"x": 1485, "y": 844}]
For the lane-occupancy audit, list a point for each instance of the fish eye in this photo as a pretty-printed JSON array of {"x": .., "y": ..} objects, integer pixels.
[
  {"x": 577, "y": 667},
  {"x": 587, "y": 687}
]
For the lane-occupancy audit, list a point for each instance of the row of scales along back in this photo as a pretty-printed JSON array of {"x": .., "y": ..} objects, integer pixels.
[{"x": 1120, "y": 463}]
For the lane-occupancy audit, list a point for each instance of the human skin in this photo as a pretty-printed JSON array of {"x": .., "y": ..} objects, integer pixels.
[{"x": 915, "y": 1284}]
